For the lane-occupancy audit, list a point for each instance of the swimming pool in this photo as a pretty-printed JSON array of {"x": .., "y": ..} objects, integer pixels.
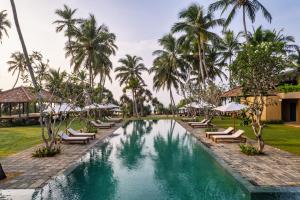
[{"x": 147, "y": 160}]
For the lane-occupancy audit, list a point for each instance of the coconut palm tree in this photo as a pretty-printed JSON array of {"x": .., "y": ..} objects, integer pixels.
[
  {"x": 55, "y": 80},
  {"x": 91, "y": 47},
  {"x": 17, "y": 64},
  {"x": 228, "y": 47},
  {"x": 4, "y": 24},
  {"x": 130, "y": 73},
  {"x": 196, "y": 24},
  {"x": 168, "y": 67},
  {"x": 249, "y": 8},
  {"x": 260, "y": 35}
]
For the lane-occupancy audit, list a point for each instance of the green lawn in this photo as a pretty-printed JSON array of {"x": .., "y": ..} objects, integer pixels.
[
  {"x": 281, "y": 136},
  {"x": 16, "y": 139},
  {"x": 278, "y": 135}
]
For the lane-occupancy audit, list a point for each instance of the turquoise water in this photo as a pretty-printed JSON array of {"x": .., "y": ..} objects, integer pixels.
[{"x": 147, "y": 160}]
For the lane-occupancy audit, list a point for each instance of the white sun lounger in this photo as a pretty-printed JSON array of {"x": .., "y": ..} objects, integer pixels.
[
  {"x": 79, "y": 134},
  {"x": 235, "y": 137},
  {"x": 225, "y": 132},
  {"x": 64, "y": 137}
]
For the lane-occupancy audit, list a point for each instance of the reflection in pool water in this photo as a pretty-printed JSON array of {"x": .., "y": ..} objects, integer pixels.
[{"x": 147, "y": 160}]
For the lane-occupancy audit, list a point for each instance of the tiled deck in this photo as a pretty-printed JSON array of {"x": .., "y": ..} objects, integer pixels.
[
  {"x": 275, "y": 168},
  {"x": 35, "y": 172}
]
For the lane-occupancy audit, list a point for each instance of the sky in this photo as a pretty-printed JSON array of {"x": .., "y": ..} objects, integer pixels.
[{"x": 138, "y": 25}]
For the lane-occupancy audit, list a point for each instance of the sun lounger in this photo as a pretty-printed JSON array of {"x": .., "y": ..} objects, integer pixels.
[
  {"x": 202, "y": 122},
  {"x": 115, "y": 118},
  {"x": 64, "y": 137},
  {"x": 105, "y": 123},
  {"x": 204, "y": 125},
  {"x": 235, "y": 137},
  {"x": 225, "y": 132},
  {"x": 188, "y": 119},
  {"x": 112, "y": 120},
  {"x": 79, "y": 134},
  {"x": 100, "y": 126}
]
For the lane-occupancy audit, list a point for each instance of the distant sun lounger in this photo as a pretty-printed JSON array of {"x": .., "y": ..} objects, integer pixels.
[
  {"x": 105, "y": 123},
  {"x": 66, "y": 138},
  {"x": 235, "y": 137},
  {"x": 100, "y": 126},
  {"x": 202, "y": 125},
  {"x": 225, "y": 132},
  {"x": 202, "y": 122},
  {"x": 79, "y": 134}
]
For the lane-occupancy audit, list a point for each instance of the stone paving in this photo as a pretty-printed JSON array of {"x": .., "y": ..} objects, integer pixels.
[
  {"x": 275, "y": 168},
  {"x": 35, "y": 172}
]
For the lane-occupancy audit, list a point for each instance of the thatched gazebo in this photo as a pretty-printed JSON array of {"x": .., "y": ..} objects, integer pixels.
[{"x": 21, "y": 103}]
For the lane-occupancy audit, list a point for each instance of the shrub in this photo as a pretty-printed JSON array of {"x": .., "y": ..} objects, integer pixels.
[
  {"x": 288, "y": 88},
  {"x": 46, "y": 152},
  {"x": 245, "y": 120},
  {"x": 273, "y": 122},
  {"x": 249, "y": 149},
  {"x": 91, "y": 129}
]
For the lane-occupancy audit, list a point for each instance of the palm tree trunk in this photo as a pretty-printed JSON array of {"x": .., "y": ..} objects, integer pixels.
[
  {"x": 172, "y": 103},
  {"x": 30, "y": 69},
  {"x": 17, "y": 79},
  {"x": 133, "y": 103},
  {"x": 245, "y": 25},
  {"x": 229, "y": 70}
]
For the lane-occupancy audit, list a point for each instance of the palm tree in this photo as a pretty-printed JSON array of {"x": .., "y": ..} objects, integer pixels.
[
  {"x": 260, "y": 35},
  {"x": 55, "y": 80},
  {"x": 92, "y": 46},
  {"x": 17, "y": 64},
  {"x": 67, "y": 21},
  {"x": 4, "y": 24},
  {"x": 229, "y": 46},
  {"x": 130, "y": 73},
  {"x": 249, "y": 7},
  {"x": 196, "y": 25},
  {"x": 168, "y": 67}
]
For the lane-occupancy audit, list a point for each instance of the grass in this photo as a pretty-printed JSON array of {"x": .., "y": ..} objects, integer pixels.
[
  {"x": 284, "y": 137},
  {"x": 15, "y": 139},
  {"x": 278, "y": 135}
]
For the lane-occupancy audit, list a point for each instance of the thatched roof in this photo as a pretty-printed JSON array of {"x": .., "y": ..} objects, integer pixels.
[
  {"x": 234, "y": 92},
  {"x": 24, "y": 95}
]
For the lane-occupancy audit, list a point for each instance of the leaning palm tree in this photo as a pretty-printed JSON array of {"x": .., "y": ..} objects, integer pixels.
[
  {"x": 228, "y": 47},
  {"x": 17, "y": 64},
  {"x": 196, "y": 24},
  {"x": 249, "y": 7},
  {"x": 168, "y": 67},
  {"x": 130, "y": 73},
  {"x": 4, "y": 24}
]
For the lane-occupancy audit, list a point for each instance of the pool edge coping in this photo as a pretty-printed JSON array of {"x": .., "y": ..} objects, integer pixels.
[{"x": 252, "y": 189}]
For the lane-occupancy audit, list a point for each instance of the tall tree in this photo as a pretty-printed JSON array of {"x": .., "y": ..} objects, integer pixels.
[
  {"x": 4, "y": 24},
  {"x": 130, "y": 74},
  {"x": 168, "y": 67},
  {"x": 67, "y": 22},
  {"x": 55, "y": 80},
  {"x": 91, "y": 47},
  {"x": 17, "y": 64},
  {"x": 249, "y": 8},
  {"x": 229, "y": 46},
  {"x": 196, "y": 24}
]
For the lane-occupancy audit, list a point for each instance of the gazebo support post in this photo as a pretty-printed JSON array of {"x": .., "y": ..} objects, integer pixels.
[
  {"x": 27, "y": 109},
  {"x": 19, "y": 104},
  {"x": 34, "y": 107},
  {"x": 23, "y": 108},
  {"x": 10, "y": 109},
  {"x": 0, "y": 109}
]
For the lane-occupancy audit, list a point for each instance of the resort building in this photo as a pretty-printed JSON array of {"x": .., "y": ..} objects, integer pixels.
[{"x": 280, "y": 106}]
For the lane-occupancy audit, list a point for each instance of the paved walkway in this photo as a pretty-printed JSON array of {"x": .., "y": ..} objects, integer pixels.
[
  {"x": 276, "y": 168},
  {"x": 35, "y": 172}
]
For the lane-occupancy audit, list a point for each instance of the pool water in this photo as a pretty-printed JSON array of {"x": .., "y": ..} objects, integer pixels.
[{"x": 147, "y": 160}]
